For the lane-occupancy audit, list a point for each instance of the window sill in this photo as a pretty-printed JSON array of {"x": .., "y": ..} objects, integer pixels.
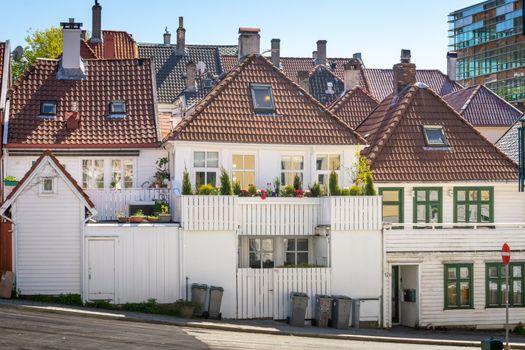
[{"x": 459, "y": 308}]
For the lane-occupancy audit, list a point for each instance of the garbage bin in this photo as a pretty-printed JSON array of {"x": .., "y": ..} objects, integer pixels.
[
  {"x": 491, "y": 344},
  {"x": 214, "y": 303},
  {"x": 356, "y": 312},
  {"x": 6, "y": 284},
  {"x": 198, "y": 295},
  {"x": 298, "y": 309},
  {"x": 341, "y": 310},
  {"x": 323, "y": 310}
]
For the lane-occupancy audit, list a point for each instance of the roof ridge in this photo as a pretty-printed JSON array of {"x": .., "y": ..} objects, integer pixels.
[
  {"x": 338, "y": 102},
  {"x": 484, "y": 88}
]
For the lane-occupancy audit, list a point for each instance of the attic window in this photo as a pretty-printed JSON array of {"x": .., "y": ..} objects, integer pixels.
[
  {"x": 48, "y": 186},
  {"x": 48, "y": 108},
  {"x": 434, "y": 136},
  {"x": 117, "y": 109},
  {"x": 262, "y": 98}
]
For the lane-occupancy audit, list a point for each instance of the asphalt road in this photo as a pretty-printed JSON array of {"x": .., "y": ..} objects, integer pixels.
[{"x": 24, "y": 329}]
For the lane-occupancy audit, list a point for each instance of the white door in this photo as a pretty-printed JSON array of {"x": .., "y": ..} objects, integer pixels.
[{"x": 101, "y": 269}]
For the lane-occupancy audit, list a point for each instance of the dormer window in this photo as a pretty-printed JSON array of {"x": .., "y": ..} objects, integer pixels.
[
  {"x": 434, "y": 136},
  {"x": 262, "y": 98},
  {"x": 48, "y": 109},
  {"x": 117, "y": 109}
]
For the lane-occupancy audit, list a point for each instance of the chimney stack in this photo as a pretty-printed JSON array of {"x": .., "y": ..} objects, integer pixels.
[
  {"x": 452, "y": 61},
  {"x": 249, "y": 42},
  {"x": 321, "y": 52},
  {"x": 191, "y": 71},
  {"x": 276, "y": 52},
  {"x": 72, "y": 120},
  {"x": 96, "y": 29},
  {"x": 303, "y": 79},
  {"x": 352, "y": 73},
  {"x": 71, "y": 65},
  {"x": 404, "y": 72},
  {"x": 181, "y": 38},
  {"x": 167, "y": 37}
]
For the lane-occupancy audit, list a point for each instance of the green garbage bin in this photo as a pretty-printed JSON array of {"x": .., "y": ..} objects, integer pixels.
[
  {"x": 323, "y": 310},
  {"x": 491, "y": 344},
  {"x": 198, "y": 295},
  {"x": 298, "y": 309},
  {"x": 341, "y": 311}
]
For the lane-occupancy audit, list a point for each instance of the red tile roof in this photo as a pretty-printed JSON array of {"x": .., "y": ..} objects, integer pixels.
[
  {"x": 107, "y": 80},
  {"x": 482, "y": 107},
  {"x": 354, "y": 106},
  {"x": 70, "y": 178},
  {"x": 2, "y": 53},
  {"x": 398, "y": 152},
  {"x": 226, "y": 113},
  {"x": 116, "y": 44}
]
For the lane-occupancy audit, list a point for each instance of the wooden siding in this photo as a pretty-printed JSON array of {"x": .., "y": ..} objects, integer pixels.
[
  {"x": 203, "y": 213},
  {"x": 354, "y": 213}
]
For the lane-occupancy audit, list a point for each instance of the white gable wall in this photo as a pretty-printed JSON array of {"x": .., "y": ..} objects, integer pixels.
[{"x": 47, "y": 236}]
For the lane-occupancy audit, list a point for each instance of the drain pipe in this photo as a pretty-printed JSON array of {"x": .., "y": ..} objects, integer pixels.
[{"x": 187, "y": 278}]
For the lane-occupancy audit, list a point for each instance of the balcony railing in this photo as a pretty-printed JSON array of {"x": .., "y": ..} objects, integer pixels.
[{"x": 109, "y": 202}]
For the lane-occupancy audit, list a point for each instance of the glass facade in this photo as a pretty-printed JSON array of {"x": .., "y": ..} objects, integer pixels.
[{"x": 489, "y": 40}]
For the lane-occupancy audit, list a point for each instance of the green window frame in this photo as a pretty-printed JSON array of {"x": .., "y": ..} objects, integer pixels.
[
  {"x": 457, "y": 277},
  {"x": 394, "y": 203},
  {"x": 495, "y": 284},
  {"x": 472, "y": 204},
  {"x": 428, "y": 199}
]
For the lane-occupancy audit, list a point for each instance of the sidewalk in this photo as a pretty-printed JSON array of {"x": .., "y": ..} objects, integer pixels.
[{"x": 394, "y": 335}]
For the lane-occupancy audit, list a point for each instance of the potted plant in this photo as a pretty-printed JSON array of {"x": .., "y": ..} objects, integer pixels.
[
  {"x": 153, "y": 219},
  {"x": 10, "y": 181},
  {"x": 162, "y": 174},
  {"x": 162, "y": 211},
  {"x": 121, "y": 217},
  {"x": 185, "y": 308},
  {"x": 137, "y": 217}
]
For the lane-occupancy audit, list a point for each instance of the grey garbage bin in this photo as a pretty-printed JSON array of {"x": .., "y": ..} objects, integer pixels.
[
  {"x": 198, "y": 295},
  {"x": 341, "y": 310},
  {"x": 491, "y": 344},
  {"x": 214, "y": 303},
  {"x": 323, "y": 310},
  {"x": 6, "y": 284},
  {"x": 298, "y": 309},
  {"x": 356, "y": 312}
]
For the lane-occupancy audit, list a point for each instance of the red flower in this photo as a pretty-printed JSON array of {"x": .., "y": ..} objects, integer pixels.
[{"x": 299, "y": 193}]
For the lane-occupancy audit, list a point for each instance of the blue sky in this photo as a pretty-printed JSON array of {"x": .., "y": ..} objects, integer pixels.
[{"x": 378, "y": 29}]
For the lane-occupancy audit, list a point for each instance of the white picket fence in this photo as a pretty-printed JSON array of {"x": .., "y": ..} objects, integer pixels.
[
  {"x": 265, "y": 293},
  {"x": 109, "y": 202},
  {"x": 353, "y": 213},
  {"x": 204, "y": 213}
]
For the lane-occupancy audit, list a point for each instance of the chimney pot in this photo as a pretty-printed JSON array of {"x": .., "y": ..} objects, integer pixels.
[
  {"x": 96, "y": 28},
  {"x": 404, "y": 72},
  {"x": 167, "y": 37},
  {"x": 452, "y": 61},
  {"x": 276, "y": 52},
  {"x": 249, "y": 42},
  {"x": 314, "y": 55},
  {"x": 405, "y": 56},
  {"x": 352, "y": 73},
  {"x": 181, "y": 38},
  {"x": 303, "y": 79},
  {"x": 321, "y": 52},
  {"x": 191, "y": 70}
]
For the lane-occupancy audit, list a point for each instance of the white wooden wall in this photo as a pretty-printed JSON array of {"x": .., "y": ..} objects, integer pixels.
[
  {"x": 203, "y": 213},
  {"x": 355, "y": 213},
  {"x": 146, "y": 260}
]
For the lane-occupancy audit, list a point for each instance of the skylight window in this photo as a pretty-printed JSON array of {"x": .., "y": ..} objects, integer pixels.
[
  {"x": 48, "y": 108},
  {"x": 117, "y": 109},
  {"x": 262, "y": 98},
  {"x": 434, "y": 136}
]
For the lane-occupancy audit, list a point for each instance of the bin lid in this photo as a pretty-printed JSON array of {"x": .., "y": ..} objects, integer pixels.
[
  {"x": 217, "y": 288},
  {"x": 300, "y": 295},
  {"x": 343, "y": 297},
  {"x": 323, "y": 296},
  {"x": 199, "y": 286}
]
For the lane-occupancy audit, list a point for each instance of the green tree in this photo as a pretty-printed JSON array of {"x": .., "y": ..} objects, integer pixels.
[
  {"x": 333, "y": 184},
  {"x": 186, "y": 183},
  {"x": 45, "y": 43},
  {"x": 297, "y": 183},
  {"x": 226, "y": 185}
]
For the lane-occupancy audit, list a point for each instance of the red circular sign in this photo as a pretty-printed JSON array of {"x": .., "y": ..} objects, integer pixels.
[{"x": 505, "y": 254}]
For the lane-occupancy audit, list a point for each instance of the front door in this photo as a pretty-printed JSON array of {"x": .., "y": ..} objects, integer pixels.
[
  {"x": 395, "y": 294},
  {"x": 101, "y": 269}
]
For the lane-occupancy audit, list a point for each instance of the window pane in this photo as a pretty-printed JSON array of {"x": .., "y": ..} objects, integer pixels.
[
  {"x": 289, "y": 244},
  {"x": 118, "y": 107},
  {"x": 116, "y": 173},
  {"x": 464, "y": 272},
  {"x": 435, "y": 136},
  {"x": 434, "y": 195},
  {"x": 461, "y": 213},
  {"x": 485, "y": 195},
  {"x": 48, "y": 185},
  {"x": 267, "y": 259},
  {"x": 322, "y": 179},
  {"x": 461, "y": 195},
  {"x": 465, "y": 293},
  {"x": 286, "y": 163},
  {"x": 86, "y": 174},
  {"x": 255, "y": 245},
  {"x": 485, "y": 213},
  {"x": 262, "y": 97},
  {"x": 322, "y": 162},
  {"x": 390, "y": 196},
  {"x": 289, "y": 259},
  {"x": 200, "y": 178},
  {"x": 255, "y": 260},
  {"x": 297, "y": 163},
  {"x": 421, "y": 213},
  {"x": 516, "y": 271},
  {"x": 302, "y": 245},
  {"x": 249, "y": 162},
  {"x": 212, "y": 159},
  {"x": 473, "y": 195},
  {"x": 473, "y": 213},
  {"x": 99, "y": 173},
  {"x": 421, "y": 196},
  {"x": 302, "y": 258},
  {"x": 237, "y": 162},
  {"x": 128, "y": 173},
  {"x": 211, "y": 178},
  {"x": 516, "y": 298},
  {"x": 267, "y": 245},
  {"x": 249, "y": 179},
  {"x": 335, "y": 162},
  {"x": 199, "y": 159},
  {"x": 452, "y": 273},
  {"x": 238, "y": 176},
  {"x": 434, "y": 212},
  {"x": 451, "y": 294},
  {"x": 493, "y": 271},
  {"x": 493, "y": 293},
  {"x": 391, "y": 213},
  {"x": 49, "y": 108}
]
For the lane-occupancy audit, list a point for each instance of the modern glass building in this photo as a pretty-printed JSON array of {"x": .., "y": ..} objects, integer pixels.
[{"x": 489, "y": 39}]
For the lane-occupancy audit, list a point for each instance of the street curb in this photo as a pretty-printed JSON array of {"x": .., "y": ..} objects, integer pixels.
[{"x": 103, "y": 314}]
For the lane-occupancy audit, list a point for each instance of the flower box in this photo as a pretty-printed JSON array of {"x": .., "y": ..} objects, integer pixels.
[{"x": 10, "y": 182}]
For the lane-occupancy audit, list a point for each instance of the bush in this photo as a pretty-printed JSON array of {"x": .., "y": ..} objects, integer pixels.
[
  {"x": 519, "y": 329},
  {"x": 277, "y": 186},
  {"x": 186, "y": 184},
  {"x": 315, "y": 190},
  {"x": 252, "y": 190},
  {"x": 101, "y": 304},
  {"x": 288, "y": 191},
  {"x": 160, "y": 207},
  {"x": 237, "y": 187},
  {"x": 226, "y": 185},
  {"x": 333, "y": 184},
  {"x": 355, "y": 191},
  {"x": 369, "y": 189},
  {"x": 206, "y": 190},
  {"x": 149, "y": 306},
  {"x": 297, "y": 183},
  {"x": 70, "y": 299}
]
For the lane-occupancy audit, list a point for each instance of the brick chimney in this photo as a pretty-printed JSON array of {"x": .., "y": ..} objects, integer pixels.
[
  {"x": 321, "y": 52},
  {"x": 404, "y": 72},
  {"x": 276, "y": 52},
  {"x": 191, "y": 71},
  {"x": 352, "y": 73},
  {"x": 181, "y": 38},
  {"x": 303, "y": 79},
  {"x": 452, "y": 61},
  {"x": 96, "y": 28},
  {"x": 249, "y": 42},
  {"x": 71, "y": 65},
  {"x": 167, "y": 37},
  {"x": 72, "y": 120}
]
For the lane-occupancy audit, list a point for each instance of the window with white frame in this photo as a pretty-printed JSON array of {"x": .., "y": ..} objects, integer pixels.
[
  {"x": 47, "y": 186},
  {"x": 121, "y": 173},
  {"x": 93, "y": 173},
  {"x": 261, "y": 253},
  {"x": 243, "y": 169},
  {"x": 296, "y": 251},
  {"x": 324, "y": 165},
  {"x": 290, "y": 167},
  {"x": 205, "y": 165}
]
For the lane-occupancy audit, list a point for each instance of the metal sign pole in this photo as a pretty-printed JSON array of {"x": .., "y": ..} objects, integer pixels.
[{"x": 507, "y": 347}]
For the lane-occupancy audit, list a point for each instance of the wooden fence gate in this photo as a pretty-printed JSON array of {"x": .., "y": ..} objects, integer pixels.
[{"x": 6, "y": 246}]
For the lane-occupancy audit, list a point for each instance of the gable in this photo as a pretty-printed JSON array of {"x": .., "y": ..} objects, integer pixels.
[
  {"x": 319, "y": 80},
  {"x": 354, "y": 106}
]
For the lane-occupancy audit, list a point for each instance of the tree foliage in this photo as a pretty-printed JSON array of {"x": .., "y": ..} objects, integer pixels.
[
  {"x": 186, "y": 183},
  {"x": 226, "y": 185}
]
